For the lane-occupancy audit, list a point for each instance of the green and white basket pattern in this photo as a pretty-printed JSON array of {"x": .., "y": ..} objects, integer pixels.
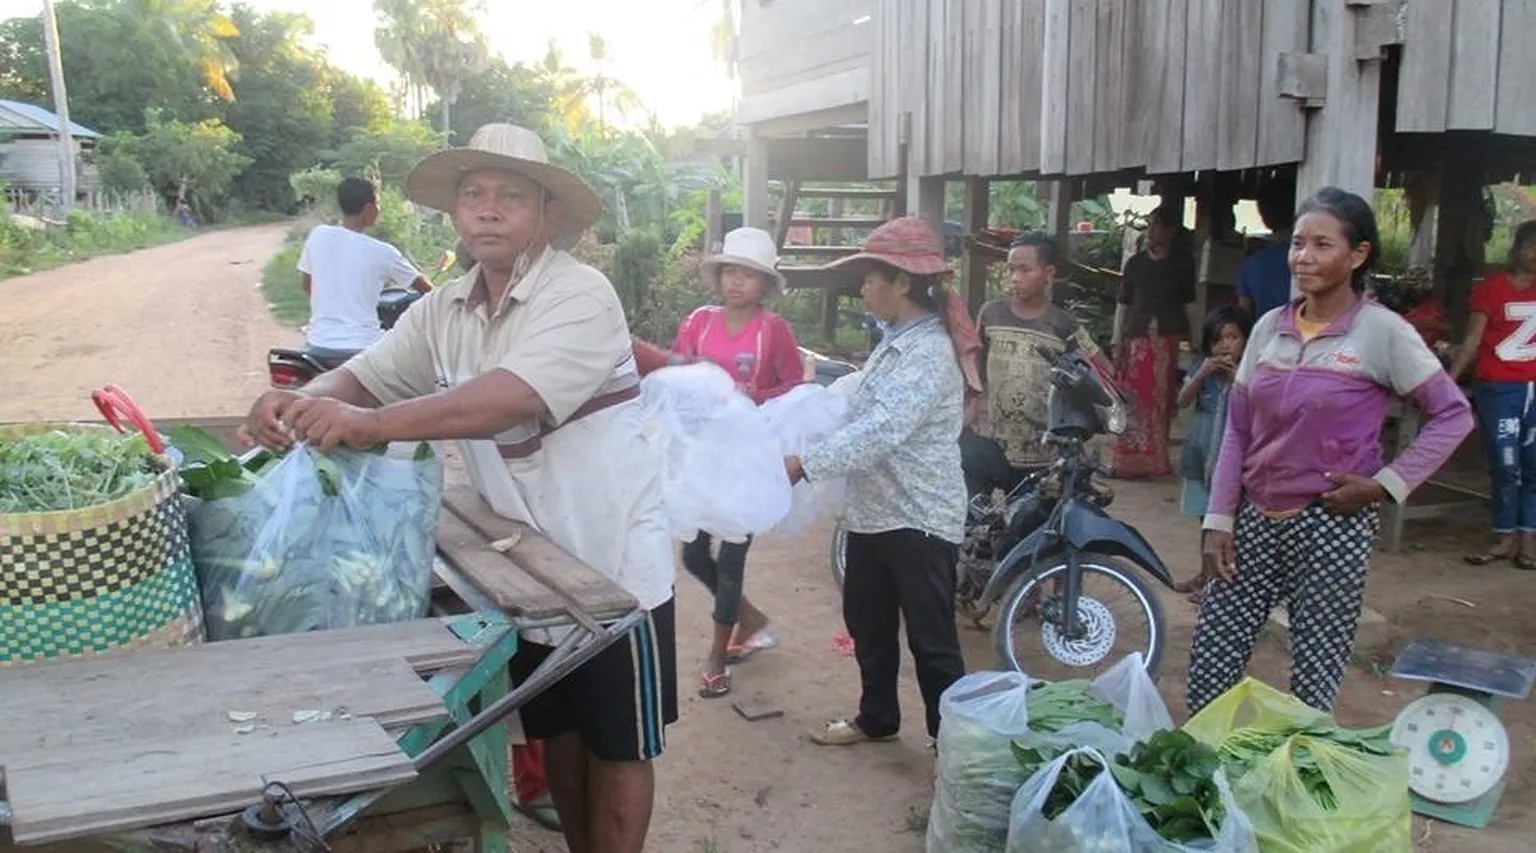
[{"x": 104, "y": 578}]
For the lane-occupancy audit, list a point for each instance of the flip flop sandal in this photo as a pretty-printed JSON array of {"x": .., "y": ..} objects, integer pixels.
[
  {"x": 1487, "y": 559},
  {"x": 714, "y": 686},
  {"x": 543, "y": 814},
  {"x": 736, "y": 653},
  {"x": 1525, "y": 563},
  {"x": 845, "y": 733}
]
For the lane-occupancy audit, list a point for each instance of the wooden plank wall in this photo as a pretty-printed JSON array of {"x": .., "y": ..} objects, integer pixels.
[
  {"x": 1468, "y": 65},
  {"x": 1079, "y": 87},
  {"x": 794, "y": 41}
]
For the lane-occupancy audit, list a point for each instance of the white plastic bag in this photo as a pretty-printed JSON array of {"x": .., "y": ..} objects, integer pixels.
[
  {"x": 320, "y": 542},
  {"x": 1103, "y": 818},
  {"x": 807, "y": 414},
  {"x": 982, "y": 716},
  {"x": 722, "y": 466}
]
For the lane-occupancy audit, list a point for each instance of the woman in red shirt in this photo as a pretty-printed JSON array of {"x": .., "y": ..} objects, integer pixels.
[
  {"x": 1501, "y": 337},
  {"x": 757, "y": 347}
]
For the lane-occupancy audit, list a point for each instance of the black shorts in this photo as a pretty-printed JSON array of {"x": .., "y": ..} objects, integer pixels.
[{"x": 620, "y": 701}]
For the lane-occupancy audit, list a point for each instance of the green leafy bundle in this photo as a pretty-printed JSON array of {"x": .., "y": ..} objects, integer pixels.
[
  {"x": 1245, "y": 748},
  {"x": 1058, "y": 704},
  {"x": 72, "y": 469},
  {"x": 1169, "y": 779}
]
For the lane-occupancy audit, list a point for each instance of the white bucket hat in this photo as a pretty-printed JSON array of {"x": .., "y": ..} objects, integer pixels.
[
  {"x": 434, "y": 182},
  {"x": 752, "y": 248}
]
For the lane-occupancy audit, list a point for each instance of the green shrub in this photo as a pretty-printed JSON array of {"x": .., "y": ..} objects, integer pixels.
[{"x": 83, "y": 235}]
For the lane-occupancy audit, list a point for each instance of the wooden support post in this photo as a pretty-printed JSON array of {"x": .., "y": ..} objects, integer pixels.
[
  {"x": 1057, "y": 196},
  {"x": 754, "y": 182},
  {"x": 831, "y": 303},
  {"x": 925, "y": 198},
  {"x": 714, "y": 222},
  {"x": 973, "y": 273},
  {"x": 1341, "y": 135},
  {"x": 1461, "y": 235}
]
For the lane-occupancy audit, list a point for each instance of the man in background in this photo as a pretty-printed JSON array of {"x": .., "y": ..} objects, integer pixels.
[
  {"x": 344, "y": 270},
  {"x": 1265, "y": 280}
]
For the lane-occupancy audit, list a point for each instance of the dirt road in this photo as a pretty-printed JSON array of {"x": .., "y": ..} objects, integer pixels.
[{"x": 184, "y": 329}]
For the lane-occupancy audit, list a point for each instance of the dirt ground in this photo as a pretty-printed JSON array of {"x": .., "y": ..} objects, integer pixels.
[{"x": 184, "y": 329}]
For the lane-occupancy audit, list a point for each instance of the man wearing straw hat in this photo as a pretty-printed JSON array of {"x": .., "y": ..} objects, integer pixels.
[{"x": 527, "y": 362}]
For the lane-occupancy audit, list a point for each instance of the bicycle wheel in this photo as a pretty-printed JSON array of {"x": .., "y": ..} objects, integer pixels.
[{"x": 1118, "y": 612}]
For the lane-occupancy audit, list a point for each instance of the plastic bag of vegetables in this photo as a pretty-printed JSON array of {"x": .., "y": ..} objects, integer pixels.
[
  {"x": 1167, "y": 796},
  {"x": 1308, "y": 785},
  {"x": 319, "y": 542},
  {"x": 985, "y": 714}
]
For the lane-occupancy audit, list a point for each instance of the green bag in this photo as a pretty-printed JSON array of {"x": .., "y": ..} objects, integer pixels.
[{"x": 1371, "y": 812}]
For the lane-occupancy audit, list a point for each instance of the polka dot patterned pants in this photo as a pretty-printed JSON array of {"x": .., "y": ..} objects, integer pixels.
[{"x": 1314, "y": 561}]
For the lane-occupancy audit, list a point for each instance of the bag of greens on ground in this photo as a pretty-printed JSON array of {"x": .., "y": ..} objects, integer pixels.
[
  {"x": 320, "y": 542},
  {"x": 987, "y": 715},
  {"x": 1167, "y": 796},
  {"x": 1308, "y": 785}
]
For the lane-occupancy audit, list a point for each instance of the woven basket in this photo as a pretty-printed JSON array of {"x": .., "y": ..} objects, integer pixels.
[{"x": 87, "y": 581}]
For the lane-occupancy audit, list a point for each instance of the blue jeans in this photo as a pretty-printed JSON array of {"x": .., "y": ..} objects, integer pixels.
[{"x": 1506, "y": 412}]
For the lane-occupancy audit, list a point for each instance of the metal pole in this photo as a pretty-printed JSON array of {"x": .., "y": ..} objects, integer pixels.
[{"x": 60, "y": 107}]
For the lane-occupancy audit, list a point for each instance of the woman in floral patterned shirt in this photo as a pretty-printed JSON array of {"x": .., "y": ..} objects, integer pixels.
[{"x": 906, "y": 493}]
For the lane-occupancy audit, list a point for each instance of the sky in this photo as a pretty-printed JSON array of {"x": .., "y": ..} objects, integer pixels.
[{"x": 660, "y": 48}]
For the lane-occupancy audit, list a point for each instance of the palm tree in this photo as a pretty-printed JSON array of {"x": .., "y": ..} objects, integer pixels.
[
  {"x": 454, "y": 51},
  {"x": 722, "y": 35},
  {"x": 199, "y": 27},
  {"x": 569, "y": 97},
  {"x": 399, "y": 36}
]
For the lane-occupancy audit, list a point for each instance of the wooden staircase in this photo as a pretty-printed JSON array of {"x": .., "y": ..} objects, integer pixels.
[{"x": 828, "y": 221}]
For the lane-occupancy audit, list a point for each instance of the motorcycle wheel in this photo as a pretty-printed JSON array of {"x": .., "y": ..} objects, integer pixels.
[
  {"x": 1028, "y": 640},
  {"x": 839, "y": 556}
]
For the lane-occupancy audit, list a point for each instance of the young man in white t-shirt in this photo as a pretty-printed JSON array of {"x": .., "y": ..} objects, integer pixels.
[{"x": 344, "y": 271}]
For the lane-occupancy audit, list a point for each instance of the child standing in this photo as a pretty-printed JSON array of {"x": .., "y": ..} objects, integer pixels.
[{"x": 1210, "y": 380}]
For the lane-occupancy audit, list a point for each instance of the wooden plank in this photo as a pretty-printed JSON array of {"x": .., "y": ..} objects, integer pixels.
[
  {"x": 1423, "y": 81},
  {"x": 1055, "y": 84},
  {"x": 953, "y": 91},
  {"x": 1082, "y": 86},
  {"x": 915, "y": 47},
  {"x": 1282, "y": 124},
  {"x": 983, "y": 86},
  {"x": 547, "y": 562},
  {"x": 882, "y": 142},
  {"x": 1108, "y": 70},
  {"x": 849, "y": 193},
  {"x": 1242, "y": 52},
  {"x": 1202, "y": 85},
  {"x": 1474, "y": 66},
  {"x": 1341, "y": 147},
  {"x": 79, "y": 792},
  {"x": 1164, "y": 108},
  {"x": 503, "y": 581},
  {"x": 936, "y": 107},
  {"x": 1021, "y": 121},
  {"x": 1517, "y": 70},
  {"x": 193, "y": 695}
]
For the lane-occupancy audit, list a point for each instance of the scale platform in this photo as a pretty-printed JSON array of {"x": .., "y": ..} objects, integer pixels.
[{"x": 1458, "y": 749}]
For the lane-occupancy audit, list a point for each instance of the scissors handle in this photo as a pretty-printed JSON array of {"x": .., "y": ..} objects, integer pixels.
[{"x": 116, "y": 406}]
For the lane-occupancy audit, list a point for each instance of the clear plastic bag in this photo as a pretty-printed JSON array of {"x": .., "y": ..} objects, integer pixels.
[
  {"x": 1103, "y": 819},
  {"x": 722, "y": 466},
  {"x": 807, "y": 414},
  {"x": 985, "y": 713},
  {"x": 320, "y": 542}
]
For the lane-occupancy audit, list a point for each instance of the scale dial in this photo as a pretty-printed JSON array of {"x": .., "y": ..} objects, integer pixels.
[{"x": 1457, "y": 748}]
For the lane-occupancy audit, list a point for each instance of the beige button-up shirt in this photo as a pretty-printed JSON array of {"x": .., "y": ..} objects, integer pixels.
[{"x": 589, "y": 480}]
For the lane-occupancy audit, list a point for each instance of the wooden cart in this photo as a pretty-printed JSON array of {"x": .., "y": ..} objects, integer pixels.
[{"x": 372, "y": 739}]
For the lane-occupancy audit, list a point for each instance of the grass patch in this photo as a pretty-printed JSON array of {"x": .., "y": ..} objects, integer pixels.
[
  {"x": 280, "y": 284},
  {"x": 82, "y": 236}
]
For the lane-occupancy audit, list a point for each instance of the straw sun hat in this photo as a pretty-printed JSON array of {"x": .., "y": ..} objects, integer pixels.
[
  {"x": 751, "y": 248},
  {"x": 907, "y": 243},
  {"x": 434, "y": 182}
]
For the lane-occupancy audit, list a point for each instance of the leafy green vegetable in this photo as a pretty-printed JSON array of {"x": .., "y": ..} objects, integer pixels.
[
  {"x": 71, "y": 469},
  {"x": 1244, "y": 748},
  {"x": 209, "y": 471},
  {"x": 1057, "y": 704}
]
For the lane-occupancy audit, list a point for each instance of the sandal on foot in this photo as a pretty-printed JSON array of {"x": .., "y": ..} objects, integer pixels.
[
  {"x": 738, "y": 652},
  {"x": 1488, "y": 558},
  {"x": 844, "y": 733},
  {"x": 1525, "y": 563},
  {"x": 714, "y": 686},
  {"x": 542, "y": 812}
]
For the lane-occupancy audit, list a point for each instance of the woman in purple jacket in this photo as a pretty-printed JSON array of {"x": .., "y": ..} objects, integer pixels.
[{"x": 1296, "y": 493}]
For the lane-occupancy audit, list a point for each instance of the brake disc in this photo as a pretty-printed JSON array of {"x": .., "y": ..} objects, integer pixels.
[{"x": 1094, "y": 643}]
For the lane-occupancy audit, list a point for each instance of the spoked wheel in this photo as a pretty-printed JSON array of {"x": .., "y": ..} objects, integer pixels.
[
  {"x": 1116, "y": 613},
  {"x": 839, "y": 555}
]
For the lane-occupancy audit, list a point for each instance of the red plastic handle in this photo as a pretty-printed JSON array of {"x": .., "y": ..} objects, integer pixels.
[{"x": 115, "y": 405}]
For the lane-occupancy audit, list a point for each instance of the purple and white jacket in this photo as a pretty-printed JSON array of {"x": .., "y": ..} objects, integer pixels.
[{"x": 1300, "y": 410}]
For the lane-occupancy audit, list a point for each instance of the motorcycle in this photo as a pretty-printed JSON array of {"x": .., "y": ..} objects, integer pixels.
[
  {"x": 295, "y": 368},
  {"x": 1033, "y": 552}
]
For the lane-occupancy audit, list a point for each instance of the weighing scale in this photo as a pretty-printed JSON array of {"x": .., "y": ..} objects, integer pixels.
[{"x": 1458, "y": 750}]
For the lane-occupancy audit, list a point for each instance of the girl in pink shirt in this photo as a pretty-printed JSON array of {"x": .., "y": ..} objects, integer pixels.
[{"x": 758, "y": 348}]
